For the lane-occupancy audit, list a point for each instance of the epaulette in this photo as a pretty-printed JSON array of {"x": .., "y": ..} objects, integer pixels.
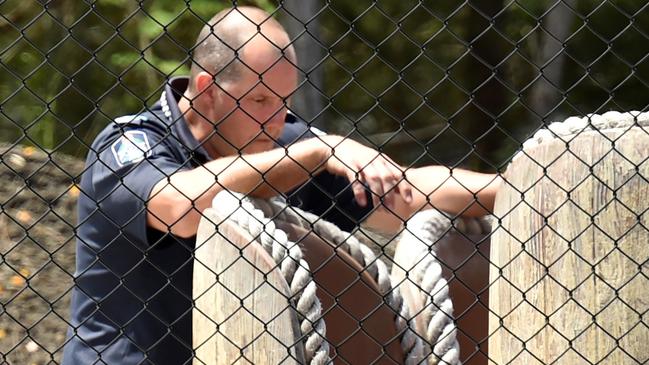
[
  {"x": 317, "y": 132},
  {"x": 131, "y": 119}
]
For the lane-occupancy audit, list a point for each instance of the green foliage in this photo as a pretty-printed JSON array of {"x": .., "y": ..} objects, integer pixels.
[
  {"x": 453, "y": 82},
  {"x": 426, "y": 80}
]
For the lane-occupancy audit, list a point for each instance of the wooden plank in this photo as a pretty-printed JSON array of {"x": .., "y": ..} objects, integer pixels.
[
  {"x": 242, "y": 313},
  {"x": 565, "y": 288}
]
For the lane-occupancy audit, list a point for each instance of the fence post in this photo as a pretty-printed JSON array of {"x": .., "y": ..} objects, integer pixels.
[
  {"x": 569, "y": 261},
  {"x": 241, "y": 313}
]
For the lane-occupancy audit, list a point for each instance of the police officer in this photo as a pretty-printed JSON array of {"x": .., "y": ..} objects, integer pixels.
[{"x": 149, "y": 176}]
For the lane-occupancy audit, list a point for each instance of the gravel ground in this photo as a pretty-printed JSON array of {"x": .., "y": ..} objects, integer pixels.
[{"x": 37, "y": 220}]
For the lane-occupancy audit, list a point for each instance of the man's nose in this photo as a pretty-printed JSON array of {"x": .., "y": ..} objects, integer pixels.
[{"x": 275, "y": 122}]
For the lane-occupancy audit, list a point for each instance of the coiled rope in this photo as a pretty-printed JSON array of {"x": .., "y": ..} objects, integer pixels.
[
  {"x": 439, "y": 344},
  {"x": 422, "y": 231},
  {"x": 293, "y": 267},
  {"x": 245, "y": 212},
  {"x": 417, "y": 267},
  {"x": 591, "y": 122}
]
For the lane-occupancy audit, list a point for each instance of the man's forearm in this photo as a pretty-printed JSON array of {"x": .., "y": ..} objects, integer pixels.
[
  {"x": 271, "y": 173},
  {"x": 176, "y": 203},
  {"x": 459, "y": 192},
  {"x": 455, "y": 191}
]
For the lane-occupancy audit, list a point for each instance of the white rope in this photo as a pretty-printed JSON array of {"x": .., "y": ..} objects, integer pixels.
[
  {"x": 422, "y": 232},
  {"x": 411, "y": 344},
  {"x": 294, "y": 268},
  {"x": 591, "y": 122}
]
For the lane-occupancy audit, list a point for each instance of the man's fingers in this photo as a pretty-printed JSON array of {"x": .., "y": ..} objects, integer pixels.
[
  {"x": 405, "y": 191},
  {"x": 403, "y": 186},
  {"x": 369, "y": 169},
  {"x": 357, "y": 188},
  {"x": 400, "y": 188},
  {"x": 388, "y": 197},
  {"x": 400, "y": 185},
  {"x": 375, "y": 182},
  {"x": 383, "y": 179},
  {"x": 391, "y": 177}
]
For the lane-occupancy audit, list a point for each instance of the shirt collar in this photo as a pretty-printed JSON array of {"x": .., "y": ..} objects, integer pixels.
[{"x": 173, "y": 91}]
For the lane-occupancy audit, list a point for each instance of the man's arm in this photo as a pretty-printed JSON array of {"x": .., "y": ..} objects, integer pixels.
[
  {"x": 457, "y": 191},
  {"x": 176, "y": 203}
]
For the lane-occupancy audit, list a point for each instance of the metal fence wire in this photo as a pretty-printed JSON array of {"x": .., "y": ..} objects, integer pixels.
[{"x": 306, "y": 181}]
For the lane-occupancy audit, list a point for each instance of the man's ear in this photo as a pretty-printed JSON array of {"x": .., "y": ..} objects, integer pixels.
[{"x": 203, "y": 82}]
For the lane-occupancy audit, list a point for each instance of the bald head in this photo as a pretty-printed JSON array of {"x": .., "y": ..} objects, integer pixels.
[{"x": 233, "y": 39}]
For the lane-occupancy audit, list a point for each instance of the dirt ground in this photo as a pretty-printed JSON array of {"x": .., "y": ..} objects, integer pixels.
[{"x": 37, "y": 220}]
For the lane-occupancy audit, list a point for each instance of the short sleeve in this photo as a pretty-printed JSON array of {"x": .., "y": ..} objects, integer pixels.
[{"x": 126, "y": 167}]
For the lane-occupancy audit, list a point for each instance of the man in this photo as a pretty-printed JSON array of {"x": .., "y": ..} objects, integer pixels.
[{"x": 150, "y": 176}]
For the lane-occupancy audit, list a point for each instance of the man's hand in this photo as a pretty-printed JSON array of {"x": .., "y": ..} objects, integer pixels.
[{"x": 365, "y": 166}]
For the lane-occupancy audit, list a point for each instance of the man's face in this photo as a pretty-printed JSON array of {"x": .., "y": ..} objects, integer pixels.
[{"x": 249, "y": 112}]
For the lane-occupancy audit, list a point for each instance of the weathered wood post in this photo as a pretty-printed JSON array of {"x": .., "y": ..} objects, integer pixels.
[
  {"x": 570, "y": 270},
  {"x": 242, "y": 313}
]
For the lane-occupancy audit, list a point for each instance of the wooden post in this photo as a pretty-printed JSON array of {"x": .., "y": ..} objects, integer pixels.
[
  {"x": 569, "y": 275},
  {"x": 242, "y": 313}
]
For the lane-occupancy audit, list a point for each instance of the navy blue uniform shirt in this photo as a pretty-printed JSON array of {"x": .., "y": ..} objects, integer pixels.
[{"x": 132, "y": 300}]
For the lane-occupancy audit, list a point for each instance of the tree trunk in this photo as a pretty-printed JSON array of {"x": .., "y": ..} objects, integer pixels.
[
  {"x": 487, "y": 49},
  {"x": 304, "y": 30},
  {"x": 546, "y": 93}
]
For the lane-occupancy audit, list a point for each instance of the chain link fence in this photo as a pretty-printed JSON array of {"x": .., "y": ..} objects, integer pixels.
[{"x": 291, "y": 182}]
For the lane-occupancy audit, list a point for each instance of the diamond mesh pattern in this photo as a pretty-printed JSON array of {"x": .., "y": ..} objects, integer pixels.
[{"x": 458, "y": 84}]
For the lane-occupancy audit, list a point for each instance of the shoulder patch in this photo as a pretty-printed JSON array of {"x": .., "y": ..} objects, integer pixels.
[
  {"x": 131, "y": 147},
  {"x": 131, "y": 119}
]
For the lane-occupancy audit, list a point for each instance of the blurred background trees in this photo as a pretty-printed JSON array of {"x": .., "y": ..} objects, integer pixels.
[{"x": 461, "y": 83}]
